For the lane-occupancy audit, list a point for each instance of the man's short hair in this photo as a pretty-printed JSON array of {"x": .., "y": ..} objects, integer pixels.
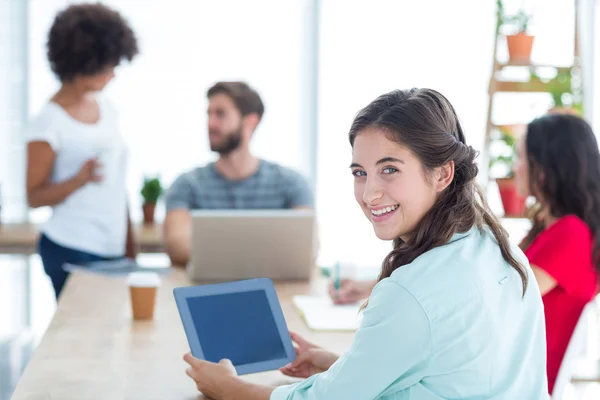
[{"x": 246, "y": 99}]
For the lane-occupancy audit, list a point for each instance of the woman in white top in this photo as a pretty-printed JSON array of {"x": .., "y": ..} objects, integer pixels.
[
  {"x": 76, "y": 158},
  {"x": 456, "y": 313}
]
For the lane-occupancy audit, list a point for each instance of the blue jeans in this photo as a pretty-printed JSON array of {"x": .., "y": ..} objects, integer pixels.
[{"x": 54, "y": 256}]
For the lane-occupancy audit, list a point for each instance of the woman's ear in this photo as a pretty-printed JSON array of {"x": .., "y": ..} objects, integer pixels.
[
  {"x": 538, "y": 178},
  {"x": 444, "y": 176}
]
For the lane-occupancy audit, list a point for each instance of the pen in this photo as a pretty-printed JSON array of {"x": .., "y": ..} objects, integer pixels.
[{"x": 336, "y": 278}]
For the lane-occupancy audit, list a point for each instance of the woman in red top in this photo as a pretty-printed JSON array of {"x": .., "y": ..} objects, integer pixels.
[{"x": 559, "y": 164}]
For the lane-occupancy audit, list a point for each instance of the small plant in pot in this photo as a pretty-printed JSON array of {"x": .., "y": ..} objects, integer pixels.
[
  {"x": 519, "y": 42},
  {"x": 566, "y": 96},
  {"x": 565, "y": 90},
  {"x": 151, "y": 191},
  {"x": 502, "y": 152}
]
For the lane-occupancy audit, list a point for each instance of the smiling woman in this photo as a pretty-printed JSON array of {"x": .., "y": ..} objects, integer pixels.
[
  {"x": 394, "y": 192},
  {"x": 436, "y": 193},
  {"x": 453, "y": 314},
  {"x": 378, "y": 213}
]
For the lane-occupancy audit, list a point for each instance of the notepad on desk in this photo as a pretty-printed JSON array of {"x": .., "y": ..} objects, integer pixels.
[{"x": 320, "y": 314}]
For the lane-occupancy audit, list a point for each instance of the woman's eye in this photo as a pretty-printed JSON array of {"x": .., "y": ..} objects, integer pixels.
[
  {"x": 389, "y": 170},
  {"x": 359, "y": 173}
]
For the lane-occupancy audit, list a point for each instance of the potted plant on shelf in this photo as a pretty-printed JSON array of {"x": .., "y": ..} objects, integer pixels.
[
  {"x": 502, "y": 151},
  {"x": 565, "y": 95},
  {"x": 520, "y": 42},
  {"x": 564, "y": 90},
  {"x": 151, "y": 191}
]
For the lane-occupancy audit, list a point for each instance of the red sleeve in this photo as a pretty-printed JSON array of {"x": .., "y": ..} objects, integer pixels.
[{"x": 564, "y": 251}]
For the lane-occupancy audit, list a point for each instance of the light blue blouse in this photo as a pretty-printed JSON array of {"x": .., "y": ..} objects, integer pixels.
[{"x": 453, "y": 324}]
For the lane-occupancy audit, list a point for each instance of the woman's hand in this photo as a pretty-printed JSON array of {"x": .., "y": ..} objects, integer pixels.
[
  {"x": 310, "y": 359},
  {"x": 350, "y": 291},
  {"x": 89, "y": 172},
  {"x": 41, "y": 191},
  {"x": 213, "y": 380}
]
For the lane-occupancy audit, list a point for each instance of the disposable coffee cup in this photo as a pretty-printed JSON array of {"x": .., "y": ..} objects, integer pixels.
[{"x": 142, "y": 289}]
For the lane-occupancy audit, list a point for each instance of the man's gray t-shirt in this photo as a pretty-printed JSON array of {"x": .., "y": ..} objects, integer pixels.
[{"x": 272, "y": 186}]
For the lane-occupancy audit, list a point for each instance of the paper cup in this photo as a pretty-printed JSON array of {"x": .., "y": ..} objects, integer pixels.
[{"x": 142, "y": 289}]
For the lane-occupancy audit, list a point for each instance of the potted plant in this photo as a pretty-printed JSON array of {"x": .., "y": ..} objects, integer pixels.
[
  {"x": 520, "y": 43},
  {"x": 151, "y": 191},
  {"x": 565, "y": 96},
  {"x": 565, "y": 92},
  {"x": 502, "y": 151}
]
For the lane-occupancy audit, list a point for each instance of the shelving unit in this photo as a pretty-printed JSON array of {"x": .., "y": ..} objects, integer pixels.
[
  {"x": 498, "y": 85},
  {"x": 503, "y": 81}
]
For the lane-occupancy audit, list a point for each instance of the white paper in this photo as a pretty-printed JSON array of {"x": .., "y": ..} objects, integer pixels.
[{"x": 320, "y": 314}]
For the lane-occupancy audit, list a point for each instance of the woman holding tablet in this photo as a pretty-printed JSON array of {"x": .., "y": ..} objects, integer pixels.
[
  {"x": 559, "y": 164},
  {"x": 456, "y": 313}
]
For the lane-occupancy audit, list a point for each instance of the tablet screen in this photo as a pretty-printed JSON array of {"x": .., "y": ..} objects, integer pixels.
[{"x": 237, "y": 326}]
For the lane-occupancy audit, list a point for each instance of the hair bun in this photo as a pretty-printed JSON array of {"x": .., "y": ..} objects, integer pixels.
[{"x": 466, "y": 168}]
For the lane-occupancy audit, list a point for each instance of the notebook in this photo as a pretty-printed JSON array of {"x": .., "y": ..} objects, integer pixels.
[{"x": 320, "y": 314}]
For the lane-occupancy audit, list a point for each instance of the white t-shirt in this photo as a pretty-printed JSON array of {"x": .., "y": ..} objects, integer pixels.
[{"x": 93, "y": 218}]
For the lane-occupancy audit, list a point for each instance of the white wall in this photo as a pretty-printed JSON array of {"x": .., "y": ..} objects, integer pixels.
[
  {"x": 368, "y": 48},
  {"x": 13, "y": 108},
  {"x": 364, "y": 49},
  {"x": 185, "y": 47}
]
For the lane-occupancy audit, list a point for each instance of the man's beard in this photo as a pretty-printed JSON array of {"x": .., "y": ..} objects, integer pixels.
[{"x": 232, "y": 142}]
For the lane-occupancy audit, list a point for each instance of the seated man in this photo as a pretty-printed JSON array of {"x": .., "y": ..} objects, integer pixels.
[{"x": 238, "y": 179}]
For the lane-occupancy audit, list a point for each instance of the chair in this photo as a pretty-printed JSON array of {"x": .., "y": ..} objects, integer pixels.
[{"x": 576, "y": 347}]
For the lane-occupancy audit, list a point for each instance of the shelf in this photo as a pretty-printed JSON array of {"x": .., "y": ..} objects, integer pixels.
[
  {"x": 519, "y": 87},
  {"x": 518, "y": 64},
  {"x": 510, "y": 127},
  {"x": 515, "y": 130}
]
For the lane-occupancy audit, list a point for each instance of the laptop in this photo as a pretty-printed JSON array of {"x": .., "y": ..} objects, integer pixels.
[{"x": 232, "y": 245}]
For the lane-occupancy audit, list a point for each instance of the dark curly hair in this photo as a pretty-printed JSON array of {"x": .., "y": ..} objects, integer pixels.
[
  {"x": 564, "y": 169},
  {"x": 86, "y": 38},
  {"x": 424, "y": 121}
]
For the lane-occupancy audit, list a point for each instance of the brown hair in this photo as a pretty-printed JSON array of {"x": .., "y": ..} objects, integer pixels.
[
  {"x": 245, "y": 98},
  {"x": 425, "y": 122}
]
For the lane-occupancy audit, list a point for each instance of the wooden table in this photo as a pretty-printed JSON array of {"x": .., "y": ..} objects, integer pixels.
[
  {"x": 22, "y": 238},
  {"x": 94, "y": 350}
]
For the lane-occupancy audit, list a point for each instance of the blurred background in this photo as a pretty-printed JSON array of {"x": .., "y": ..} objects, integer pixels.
[{"x": 315, "y": 63}]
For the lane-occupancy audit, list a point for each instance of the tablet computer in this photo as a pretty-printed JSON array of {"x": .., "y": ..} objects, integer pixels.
[{"x": 241, "y": 321}]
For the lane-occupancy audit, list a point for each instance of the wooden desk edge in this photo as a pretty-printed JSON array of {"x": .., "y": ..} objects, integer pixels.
[{"x": 23, "y": 238}]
